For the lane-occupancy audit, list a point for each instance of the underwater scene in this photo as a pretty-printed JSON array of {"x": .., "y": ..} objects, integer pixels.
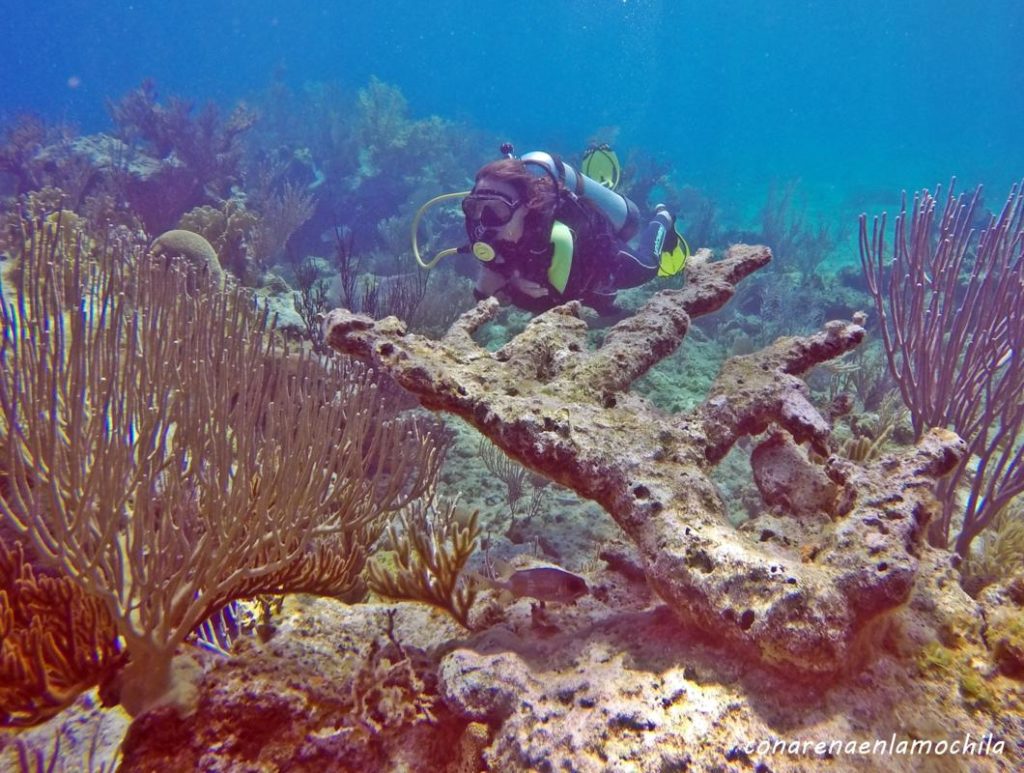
[{"x": 580, "y": 385}]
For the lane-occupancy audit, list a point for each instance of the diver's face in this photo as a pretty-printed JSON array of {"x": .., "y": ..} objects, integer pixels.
[{"x": 496, "y": 210}]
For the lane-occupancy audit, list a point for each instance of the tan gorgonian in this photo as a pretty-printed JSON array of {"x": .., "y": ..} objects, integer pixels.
[{"x": 169, "y": 455}]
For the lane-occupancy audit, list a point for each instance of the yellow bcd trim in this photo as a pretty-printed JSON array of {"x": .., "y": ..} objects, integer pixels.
[{"x": 561, "y": 259}]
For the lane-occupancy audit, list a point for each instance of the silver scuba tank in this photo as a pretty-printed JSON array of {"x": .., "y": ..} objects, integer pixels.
[{"x": 621, "y": 212}]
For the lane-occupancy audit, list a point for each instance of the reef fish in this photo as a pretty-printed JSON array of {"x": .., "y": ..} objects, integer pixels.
[{"x": 545, "y": 583}]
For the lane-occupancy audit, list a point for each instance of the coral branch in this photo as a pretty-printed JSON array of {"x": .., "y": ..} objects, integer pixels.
[
  {"x": 430, "y": 553},
  {"x": 559, "y": 408},
  {"x": 55, "y": 641},
  {"x": 756, "y": 389}
]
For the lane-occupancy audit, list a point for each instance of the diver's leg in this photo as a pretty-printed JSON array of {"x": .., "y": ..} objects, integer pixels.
[
  {"x": 628, "y": 270},
  {"x": 658, "y": 236}
]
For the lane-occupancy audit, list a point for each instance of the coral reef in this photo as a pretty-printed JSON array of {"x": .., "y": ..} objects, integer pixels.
[
  {"x": 562, "y": 410},
  {"x": 820, "y": 614},
  {"x": 163, "y": 161},
  {"x": 376, "y": 160},
  {"x": 281, "y": 214},
  {"x": 227, "y": 501},
  {"x": 103, "y": 173},
  {"x": 205, "y": 148},
  {"x": 338, "y": 688},
  {"x": 612, "y": 685}
]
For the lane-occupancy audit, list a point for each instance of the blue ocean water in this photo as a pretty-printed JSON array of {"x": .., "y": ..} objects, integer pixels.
[{"x": 854, "y": 100}]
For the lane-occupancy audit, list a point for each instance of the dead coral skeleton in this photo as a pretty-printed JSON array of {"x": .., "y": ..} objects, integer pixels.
[{"x": 764, "y": 603}]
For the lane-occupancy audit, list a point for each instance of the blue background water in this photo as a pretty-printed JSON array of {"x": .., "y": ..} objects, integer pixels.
[{"x": 855, "y": 99}]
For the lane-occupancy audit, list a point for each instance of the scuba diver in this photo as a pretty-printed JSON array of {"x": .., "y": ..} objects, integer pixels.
[{"x": 545, "y": 233}]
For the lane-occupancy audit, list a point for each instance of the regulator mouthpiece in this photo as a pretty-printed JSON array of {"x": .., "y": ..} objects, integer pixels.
[{"x": 483, "y": 251}]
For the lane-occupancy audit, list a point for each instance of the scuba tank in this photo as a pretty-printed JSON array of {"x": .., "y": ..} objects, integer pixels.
[{"x": 620, "y": 211}]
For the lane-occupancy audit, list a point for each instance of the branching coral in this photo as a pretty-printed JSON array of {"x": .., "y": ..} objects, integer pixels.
[
  {"x": 952, "y": 324},
  {"x": 280, "y": 215},
  {"x": 431, "y": 551},
  {"x": 509, "y": 472},
  {"x": 1001, "y": 552},
  {"x": 400, "y": 295},
  {"x": 576, "y": 423},
  {"x": 313, "y": 302},
  {"x": 168, "y": 457},
  {"x": 207, "y": 145},
  {"x": 55, "y": 641},
  {"x": 382, "y": 123}
]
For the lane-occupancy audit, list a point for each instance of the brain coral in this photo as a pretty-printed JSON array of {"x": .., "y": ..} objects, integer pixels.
[{"x": 191, "y": 246}]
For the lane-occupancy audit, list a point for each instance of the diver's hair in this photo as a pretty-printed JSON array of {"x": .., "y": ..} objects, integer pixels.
[{"x": 538, "y": 191}]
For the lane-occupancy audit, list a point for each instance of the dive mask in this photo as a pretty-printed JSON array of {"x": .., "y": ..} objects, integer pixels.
[
  {"x": 489, "y": 208},
  {"x": 486, "y": 213}
]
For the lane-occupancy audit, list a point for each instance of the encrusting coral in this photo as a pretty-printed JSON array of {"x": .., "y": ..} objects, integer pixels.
[{"x": 563, "y": 410}]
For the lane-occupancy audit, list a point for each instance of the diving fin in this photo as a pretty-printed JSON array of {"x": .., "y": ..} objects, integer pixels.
[
  {"x": 601, "y": 164},
  {"x": 673, "y": 250},
  {"x": 674, "y": 260}
]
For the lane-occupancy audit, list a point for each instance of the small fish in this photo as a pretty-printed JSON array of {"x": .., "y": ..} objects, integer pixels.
[
  {"x": 219, "y": 631},
  {"x": 545, "y": 583}
]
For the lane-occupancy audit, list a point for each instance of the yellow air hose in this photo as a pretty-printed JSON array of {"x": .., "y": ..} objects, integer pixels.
[{"x": 416, "y": 225}]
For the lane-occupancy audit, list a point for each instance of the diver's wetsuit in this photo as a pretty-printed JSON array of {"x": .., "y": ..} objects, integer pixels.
[{"x": 602, "y": 263}]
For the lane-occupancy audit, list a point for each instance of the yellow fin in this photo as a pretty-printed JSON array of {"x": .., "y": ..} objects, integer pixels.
[
  {"x": 673, "y": 261},
  {"x": 601, "y": 164}
]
